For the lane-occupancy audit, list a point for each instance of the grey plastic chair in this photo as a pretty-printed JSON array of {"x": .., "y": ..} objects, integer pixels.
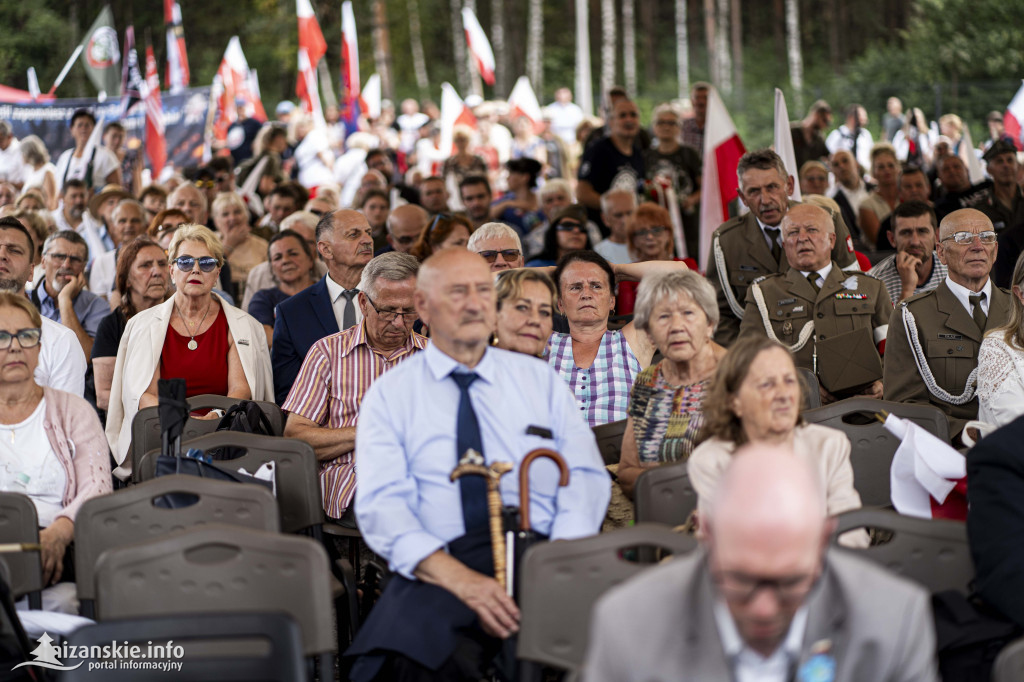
[
  {"x": 872, "y": 447},
  {"x": 221, "y": 647},
  {"x": 1009, "y": 665},
  {"x": 934, "y": 553},
  {"x": 297, "y": 471},
  {"x": 664, "y": 495},
  {"x": 146, "y": 425},
  {"x": 19, "y": 524},
  {"x": 129, "y": 515},
  {"x": 222, "y": 569},
  {"x": 812, "y": 395},
  {"x": 562, "y": 580},
  {"x": 609, "y": 440}
]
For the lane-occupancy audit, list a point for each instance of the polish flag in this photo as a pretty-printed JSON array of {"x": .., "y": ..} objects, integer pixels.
[
  {"x": 310, "y": 36},
  {"x": 784, "y": 141},
  {"x": 453, "y": 112},
  {"x": 156, "y": 145},
  {"x": 371, "y": 96},
  {"x": 522, "y": 101},
  {"x": 1013, "y": 119},
  {"x": 479, "y": 46},
  {"x": 177, "y": 58},
  {"x": 928, "y": 478},
  {"x": 719, "y": 186},
  {"x": 308, "y": 89},
  {"x": 353, "y": 104},
  {"x": 232, "y": 83}
]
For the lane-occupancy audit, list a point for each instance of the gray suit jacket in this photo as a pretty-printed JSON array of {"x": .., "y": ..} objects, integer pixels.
[{"x": 660, "y": 626}]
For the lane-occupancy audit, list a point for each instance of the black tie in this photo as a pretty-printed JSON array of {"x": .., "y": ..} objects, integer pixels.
[
  {"x": 773, "y": 235},
  {"x": 812, "y": 277},
  {"x": 467, "y": 436},
  {"x": 348, "y": 318},
  {"x": 980, "y": 318}
]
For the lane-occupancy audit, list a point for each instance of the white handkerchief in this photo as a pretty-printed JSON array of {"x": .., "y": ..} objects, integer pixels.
[{"x": 850, "y": 283}]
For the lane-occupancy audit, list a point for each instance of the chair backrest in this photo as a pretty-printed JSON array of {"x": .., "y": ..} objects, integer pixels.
[
  {"x": 812, "y": 396},
  {"x": 1009, "y": 665},
  {"x": 129, "y": 515},
  {"x": 19, "y": 523},
  {"x": 216, "y": 646},
  {"x": 872, "y": 447},
  {"x": 562, "y": 580},
  {"x": 609, "y": 440},
  {"x": 297, "y": 471},
  {"x": 934, "y": 553},
  {"x": 218, "y": 568},
  {"x": 664, "y": 495},
  {"x": 146, "y": 424}
]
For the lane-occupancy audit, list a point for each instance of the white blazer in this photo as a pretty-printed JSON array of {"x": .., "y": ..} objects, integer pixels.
[{"x": 138, "y": 356}]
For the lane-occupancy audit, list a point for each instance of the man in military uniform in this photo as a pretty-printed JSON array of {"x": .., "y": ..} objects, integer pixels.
[
  {"x": 932, "y": 348},
  {"x": 1003, "y": 203},
  {"x": 750, "y": 246},
  {"x": 831, "y": 320}
]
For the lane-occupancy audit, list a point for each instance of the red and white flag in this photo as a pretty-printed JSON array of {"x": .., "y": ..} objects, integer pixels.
[
  {"x": 453, "y": 112},
  {"x": 232, "y": 85},
  {"x": 1013, "y": 119},
  {"x": 719, "y": 186},
  {"x": 156, "y": 145},
  {"x": 928, "y": 478},
  {"x": 312, "y": 48},
  {"x": 352, "y": 103},
  {"x": 522, "y": 101},
  {"x": 371, "y": 96},
  {"x": 177, "y": 58},
  {"x": 479, "y": 46},
  {"x": 784, "y": 142}
]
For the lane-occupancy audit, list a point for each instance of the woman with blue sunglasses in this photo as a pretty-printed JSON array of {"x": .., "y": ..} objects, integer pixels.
[{"x": 195, "y": 335}]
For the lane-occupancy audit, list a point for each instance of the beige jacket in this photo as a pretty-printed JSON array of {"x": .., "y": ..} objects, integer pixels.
[
  {"x": 76, "y": 436},
  {"x": 827, "y": 450},
  {"x": 139, "y": 355}
]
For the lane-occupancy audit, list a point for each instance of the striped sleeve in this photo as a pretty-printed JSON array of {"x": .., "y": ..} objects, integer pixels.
[{"x": 311, "y": 392}]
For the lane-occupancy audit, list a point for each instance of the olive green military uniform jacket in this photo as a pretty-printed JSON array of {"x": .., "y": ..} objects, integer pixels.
[
  {"x": 938, "y": 368},
  {"x": 740, "y": 254},
  {"x": 846, "y": 302}
]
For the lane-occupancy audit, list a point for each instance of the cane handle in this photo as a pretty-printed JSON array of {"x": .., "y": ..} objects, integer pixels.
[{"x": 524, "y": 480}]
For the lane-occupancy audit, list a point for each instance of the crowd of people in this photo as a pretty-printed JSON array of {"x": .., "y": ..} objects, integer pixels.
[{"x": 411, "y": 308}]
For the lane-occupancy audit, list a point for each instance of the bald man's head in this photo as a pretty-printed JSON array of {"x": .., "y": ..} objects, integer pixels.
[
  {"x": 967, "y": 246},
  {"x": 766, "y": 538},
  {"x": 455, "y": 297},
  {"x": 404, "y": 225}
]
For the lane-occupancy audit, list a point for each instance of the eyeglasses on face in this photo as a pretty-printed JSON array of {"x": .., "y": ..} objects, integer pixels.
[
  {"x": 570, "y": 226},
  {"x": 61, "y": 257},
  {"x": 508, "y": 255},
  {"x": 205, "y": 184},
  {"x": 743, "y": 588},
  {"x": 392, "y": 315},
  {"x": 187, "y": 263},
  {"x": 27, "y": 338},
  {"x": 653, "y": 231},
  {"x": 964, "y": 238}
]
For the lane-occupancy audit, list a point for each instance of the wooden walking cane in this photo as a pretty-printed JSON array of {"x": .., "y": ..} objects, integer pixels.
[
  {"x": 524, "y": 481},
  {"x": 472, "y": 464}
]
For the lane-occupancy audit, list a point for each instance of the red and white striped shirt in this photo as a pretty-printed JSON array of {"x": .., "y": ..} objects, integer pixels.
[{"x": 334, "y": 377}]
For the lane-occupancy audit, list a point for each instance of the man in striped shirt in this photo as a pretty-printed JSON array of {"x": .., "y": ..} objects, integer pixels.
[{"x": 323, "y": 403}]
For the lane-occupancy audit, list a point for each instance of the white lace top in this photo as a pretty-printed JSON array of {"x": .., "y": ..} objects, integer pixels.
[{"x": 1000, "y": 381}]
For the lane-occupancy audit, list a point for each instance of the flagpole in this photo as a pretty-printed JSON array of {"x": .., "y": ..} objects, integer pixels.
[
  {"x": 584, "y": 87},
  {"x": 67, "y": 67}
]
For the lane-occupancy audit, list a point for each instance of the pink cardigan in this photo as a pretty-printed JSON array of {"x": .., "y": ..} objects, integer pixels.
[{"x": 78, "y": 440}]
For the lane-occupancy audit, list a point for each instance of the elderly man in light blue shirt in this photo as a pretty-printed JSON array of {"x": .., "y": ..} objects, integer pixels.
[{"x": 407, "y": 441}]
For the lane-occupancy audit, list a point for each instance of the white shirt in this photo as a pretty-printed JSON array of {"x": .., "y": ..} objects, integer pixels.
[
  {"x": 767, "y": 237},
  {"x": 854, "y": 196},
  {"x": 102, "y": 273},
  {"x": 749, "y": 665},
  {"x": 12, "y": 167},
  {"x": 103, "y": 165},
  {"x": 822, "y": 274},
  {"x": 564, "y": 119},
  {"x": 963, "y": 293},
  {"x": 338, "y": 302},
  {"x": 31, "y": 467},
  {"x": 312, "y": 171},
  {"x": 61, "y": 359},
  {"x": 613, "y": 252}
]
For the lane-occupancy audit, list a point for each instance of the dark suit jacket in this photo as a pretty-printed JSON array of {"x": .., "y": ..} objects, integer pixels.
[
  {"x": 302, "y": 320},
  {"x": 660, "y": 625},
  {"x": 995, "y": 524}
]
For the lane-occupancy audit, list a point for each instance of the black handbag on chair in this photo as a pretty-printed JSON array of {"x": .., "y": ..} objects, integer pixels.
[{"x": 173, "y": 410}]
